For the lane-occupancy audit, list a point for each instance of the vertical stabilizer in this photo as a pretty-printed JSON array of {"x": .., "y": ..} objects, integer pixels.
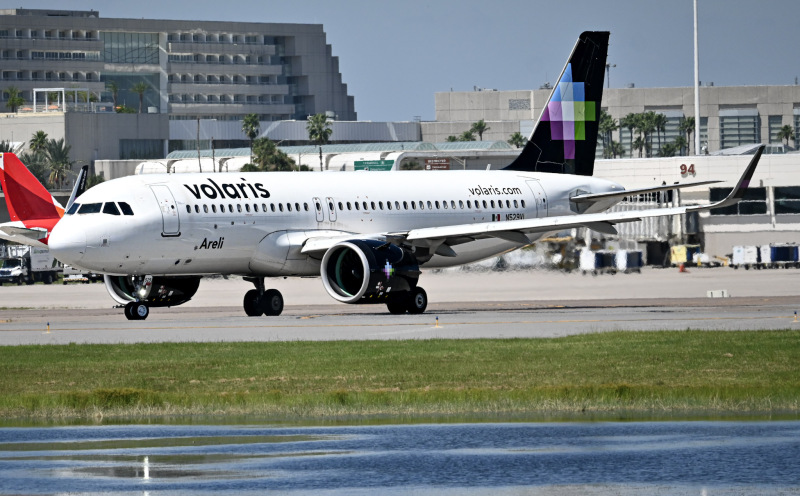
[
  {"x": 26, "y": 198},
  {"x": 564, "y": 139}
]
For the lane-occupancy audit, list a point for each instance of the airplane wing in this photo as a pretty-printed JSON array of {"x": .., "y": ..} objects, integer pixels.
[
  {"x": 18, "y": 233},
  {"x": 441, "y": 238}
]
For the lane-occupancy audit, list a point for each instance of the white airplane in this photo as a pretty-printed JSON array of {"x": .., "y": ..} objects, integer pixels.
[{"x": 366, "y": 234}]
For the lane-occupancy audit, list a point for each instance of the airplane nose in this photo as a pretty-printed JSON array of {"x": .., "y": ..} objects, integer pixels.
[{"x": 67, "y": 245}]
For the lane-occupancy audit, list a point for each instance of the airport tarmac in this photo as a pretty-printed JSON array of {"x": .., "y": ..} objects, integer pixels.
[{"x": 529, "y": 303}]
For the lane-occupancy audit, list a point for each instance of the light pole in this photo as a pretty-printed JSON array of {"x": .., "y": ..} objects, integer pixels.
[{"x": 608, "y": 74}]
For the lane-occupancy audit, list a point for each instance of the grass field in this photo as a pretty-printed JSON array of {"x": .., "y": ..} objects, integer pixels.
[{"x": 644, "y": 373}]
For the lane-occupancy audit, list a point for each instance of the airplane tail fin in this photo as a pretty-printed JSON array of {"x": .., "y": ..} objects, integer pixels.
[
  {"x": 26, "y": 198},
  {"x": 564, "y": 139}
]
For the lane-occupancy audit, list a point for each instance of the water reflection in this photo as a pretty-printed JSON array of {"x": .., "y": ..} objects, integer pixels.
[{"x": 556, "y": 458}]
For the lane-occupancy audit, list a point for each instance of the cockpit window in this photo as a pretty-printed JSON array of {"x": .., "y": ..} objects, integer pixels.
[
  {"x": 110, "y": 208},
  {"x": 90, "y": 208},
  {"x": 73, "y": 208},
  {"x": 126, "y": 209}
]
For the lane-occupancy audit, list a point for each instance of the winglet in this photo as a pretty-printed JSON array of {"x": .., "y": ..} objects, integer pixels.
[{"x": 737, "y": 193}]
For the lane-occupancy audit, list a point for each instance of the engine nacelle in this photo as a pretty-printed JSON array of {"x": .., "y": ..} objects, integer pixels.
[
  {"x": 367, "y": 271},
  {"x": 156, "y": 291}
]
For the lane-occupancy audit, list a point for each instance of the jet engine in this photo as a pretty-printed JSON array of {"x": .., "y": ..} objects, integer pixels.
[
  {"x": 368, "y": 271},
  {"x": 156, "y": 291}
]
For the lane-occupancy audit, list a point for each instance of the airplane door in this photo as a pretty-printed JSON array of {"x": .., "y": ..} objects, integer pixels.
[
  {"x": 331, "y": 209},
  {"x": 169, "y": 210},
  {"x": 318, "y": 209},
  {"x": 540, "y": 198}
]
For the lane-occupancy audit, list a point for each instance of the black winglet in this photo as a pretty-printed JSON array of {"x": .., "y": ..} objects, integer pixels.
[{"x": 737, "y": 193}]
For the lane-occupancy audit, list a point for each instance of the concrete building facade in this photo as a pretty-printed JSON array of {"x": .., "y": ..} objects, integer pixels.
[{"x": 192, "y": 69}]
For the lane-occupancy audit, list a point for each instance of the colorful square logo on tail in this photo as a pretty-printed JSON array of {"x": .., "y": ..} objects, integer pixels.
[{"x": 568, "y": 112}]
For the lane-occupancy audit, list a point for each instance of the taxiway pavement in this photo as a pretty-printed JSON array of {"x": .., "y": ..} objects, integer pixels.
[{"x": 530, "y": 303}]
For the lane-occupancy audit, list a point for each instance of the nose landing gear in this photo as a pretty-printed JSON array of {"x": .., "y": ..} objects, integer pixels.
[{"x": 137, "y": 310}]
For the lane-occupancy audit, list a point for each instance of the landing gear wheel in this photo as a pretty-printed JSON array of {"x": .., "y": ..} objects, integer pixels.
[
  {"x": 136, "y": 310},
  {"x": 272, "y": 302},
  {"x": 397, "y": 305},
  {"x": 417, "y": 301},
  {"x": 252, "y": 306}
]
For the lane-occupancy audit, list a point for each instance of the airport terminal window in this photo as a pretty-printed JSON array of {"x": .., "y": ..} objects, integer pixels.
[
  {"x": 754, "y": 202},
  {"x": 787, "y": 200},
  {"x": 90, "y": 208}
]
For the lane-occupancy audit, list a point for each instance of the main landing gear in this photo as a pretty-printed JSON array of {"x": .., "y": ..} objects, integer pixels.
[
  {"x": 260, "y": 301},
  {"x": 413, "y": 302},
  {"x": 137, "y": 310}
]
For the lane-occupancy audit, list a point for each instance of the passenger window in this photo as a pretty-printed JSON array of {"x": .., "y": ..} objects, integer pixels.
[
  {"x": 437, "y": 205},
  {"x": 492, "y": 203},
  {"x": 272, "y": 206},
  {"x": 330, "y": 206},
  {"x": 247, "y": 207},
  {"x": 366, "y": 207},
  {"x": 430, "y": 205},
  {"x": 389, "y": 205},
  {"x": 405, "y": 205},
  {"x": 319, "y": 207},
  {"x": 380, "y": 205},
  {"x": 74, "y": 208},
  {"x": 110, "y": 208},
  {"x": 522, "y": 202},
  {"x": 264, "y": 207},
  {"x": 485, "y": 205},
  {"x": 239, "y": 207},
  {"x": 516, "y": 204},
  {"x": 255, "y": 207},
  {"x": 205, "y": 208},
  {"x": 297, "y": 206},
  {"x": 413, "y": 205},
  {"x": 349, "y": 206},
  {"x": 422, "y": 205},
  {"x": 305, "y": 206},
  {"x": 196, "y": 208},
  {"x": 289, "y": 207},
  {"x": 444, "y": 204},
  {"x": 453, "y": 204},
  {"x": 230, "y": 208},
  {"x": 188, "y": 209},
  {"x": 460, "y": 204},
  {"x": 397, "y": 205},
  {"x": 508, "y": 203},
  {"x": 213, "y": 208},
  {"x": 341, "y": 206},
  {"x": 469, "y": 204},
  {"x": 90, "y": 208},
  {"x": 356, "y": 205},
  {"x": 280, "y": 207}
]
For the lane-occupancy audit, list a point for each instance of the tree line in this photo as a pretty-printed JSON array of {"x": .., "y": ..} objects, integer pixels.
[{"x": 647, "y": 126}]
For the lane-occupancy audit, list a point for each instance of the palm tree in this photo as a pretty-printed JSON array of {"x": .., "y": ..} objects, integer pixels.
[
  {"x": 113, "y": 87},
  {"x": 57, "y": 154},
  {"x": 451, "y": 138},
  {"x": 14, "y": 100},
  {"x": 38, "y": 142},
  {"x": 140, "y": 88},
  {"x": 319, "y": 129},
  {"x": 5, "y": 147},
  {"x": 251, "y": 127},
  {"x": 36, "y": 162},
  {"x": 646, "y": 126},
  {"x": 668, "y": 150},
  {"x": 467, "y": 135},
  {"x": 629, "y": 122},
  {"x": 269, "y": 158},
  {"x": 607, "y": 125},
  {"x": 480, "y": 127},
  {"x": 616, "y": 149},
  {"x": 681, "y": 145},
  {"x": 516, "y": 140},
  {"x": 638, "y": 144},
  {"x": 660, "y": 121},
  {"x": 687, "y": 127},
  {"x": 786, "y": 133}
]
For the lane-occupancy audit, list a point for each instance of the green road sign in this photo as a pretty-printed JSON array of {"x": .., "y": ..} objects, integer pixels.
[{"x": 373, "y": 165}]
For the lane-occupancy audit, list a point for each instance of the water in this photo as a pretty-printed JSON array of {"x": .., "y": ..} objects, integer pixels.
[{"x": 511, "y": 458}]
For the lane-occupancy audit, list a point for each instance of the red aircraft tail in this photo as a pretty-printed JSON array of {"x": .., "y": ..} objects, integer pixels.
[{"x": 30, "y": 205}]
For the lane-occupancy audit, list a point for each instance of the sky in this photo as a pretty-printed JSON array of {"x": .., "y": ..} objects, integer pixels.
[{"x": 395, "y": 55}]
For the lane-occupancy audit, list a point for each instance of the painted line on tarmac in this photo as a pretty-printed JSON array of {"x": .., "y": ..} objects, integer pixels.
[{"x": 442, "y": 325}]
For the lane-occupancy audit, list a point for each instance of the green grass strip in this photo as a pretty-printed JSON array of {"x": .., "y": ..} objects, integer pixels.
[{"x": 671, "y": 372}]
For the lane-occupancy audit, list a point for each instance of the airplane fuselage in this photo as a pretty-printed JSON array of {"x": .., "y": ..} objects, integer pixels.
[{"x": 256, "y": 223}]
